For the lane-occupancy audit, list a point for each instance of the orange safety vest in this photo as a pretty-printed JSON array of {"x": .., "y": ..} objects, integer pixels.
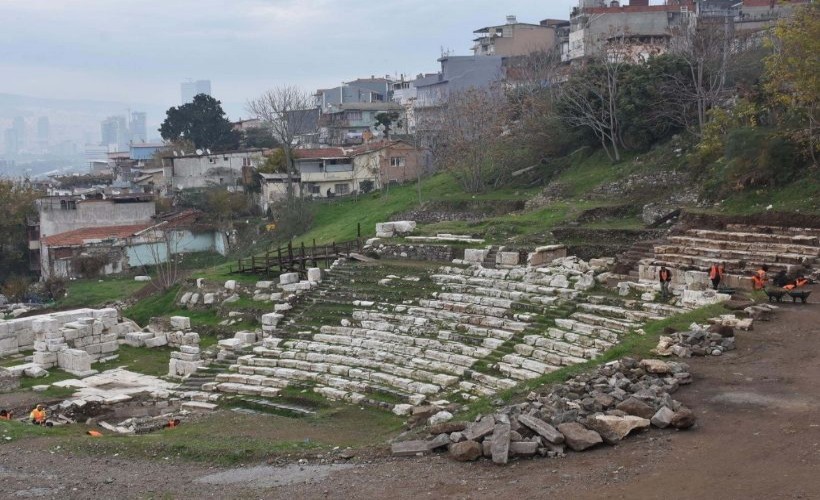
[
  {"x": 38, "y": 415},
  {"x": 790, "y": 286},
  {"x": 5, "y": 417},
  {"x": 715, "y": 272},
  {"x": 95, "y": 434},
  {"x": 801, "y": 282},
  {"x": 757, "y": 282}
]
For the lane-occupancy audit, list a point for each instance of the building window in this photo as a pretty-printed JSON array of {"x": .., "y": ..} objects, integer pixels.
[
  {"x": 397, "y": 161},
  {"x": 341, "y": 189},
  {"x": 68, "y": 204},
  {"x": 313, "y": 189},
  {"x": 353, "y": 115},
  {"x": 246, "y": 162}
]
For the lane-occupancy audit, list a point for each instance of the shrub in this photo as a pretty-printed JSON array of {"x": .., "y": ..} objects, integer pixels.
[{"x": 15, "y": 288}]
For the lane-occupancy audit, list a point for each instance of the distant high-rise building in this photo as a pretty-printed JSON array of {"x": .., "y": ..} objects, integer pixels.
[
  {"x": 139, "y": 131},
  {"x": 115, "y": 133},
  {"x": 19, "y": 127},
  {"x": 43, "y": 131},
  {"x": 190, "y": 89},
  {"x": 12, "y": 143}
]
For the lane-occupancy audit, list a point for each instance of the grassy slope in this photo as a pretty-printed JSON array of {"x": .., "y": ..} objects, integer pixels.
[{"x": 92, "y": 292}]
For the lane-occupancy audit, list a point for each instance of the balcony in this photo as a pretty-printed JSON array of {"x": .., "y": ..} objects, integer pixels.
[{"x": 327, "y": 176}]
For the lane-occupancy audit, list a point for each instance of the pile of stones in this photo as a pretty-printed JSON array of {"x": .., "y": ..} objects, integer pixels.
[
  {"x": 603, "y": 406},
  {"x": 702, "y": 340}
]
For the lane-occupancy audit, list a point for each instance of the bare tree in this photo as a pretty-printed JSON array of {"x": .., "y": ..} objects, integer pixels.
[
  {"x": 705, "y": 47},
  {"x": 163, "y": 256},
  {"x": 471, "y": 132},
  {"x": 589, "y": 99},
  {"x": 289, "y": 112}
]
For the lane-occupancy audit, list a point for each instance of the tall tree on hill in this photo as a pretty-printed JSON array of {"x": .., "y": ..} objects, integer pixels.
[
  {"x": 793, "y": 76},
  {"x": 202, "y": 122},
  {"x": 288, "y": 112},
  {"x": 590, "y": 98},
  {"x": 472, "y": 130}
]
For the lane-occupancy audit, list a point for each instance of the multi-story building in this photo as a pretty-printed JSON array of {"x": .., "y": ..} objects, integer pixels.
[
  {"x": 353, "y": 123},
  {"x": 115, "y": 133},
  {"x": 138, "y": 129},
  {"x": 197, "y": 171},
  {"x": 361, "y": 90},
  {"x": 515, "y": 38}
]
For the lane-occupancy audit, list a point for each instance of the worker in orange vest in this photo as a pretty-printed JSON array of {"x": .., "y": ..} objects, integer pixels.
[
  {"x": 38, "y": 415},
  {"x": 799, "y": 282},
  {"x": 173, "y": 423},
  {"x": 665, "y": 277},
  {"x": 94, "y": 433},
  {"x": 716, "y": 272},
  {"x": 5, "y": 415},
  {"x": 759, "y": 278}
]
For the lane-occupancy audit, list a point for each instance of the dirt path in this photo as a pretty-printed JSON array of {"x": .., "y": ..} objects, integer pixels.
[{"x": 758, "y": 437}]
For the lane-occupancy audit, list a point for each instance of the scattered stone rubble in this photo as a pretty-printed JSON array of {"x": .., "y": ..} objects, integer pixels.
[
  {"x": 603, "y": 406},
  {"x": 702, "y": 340},
  {"x": 397, "y": 228}
]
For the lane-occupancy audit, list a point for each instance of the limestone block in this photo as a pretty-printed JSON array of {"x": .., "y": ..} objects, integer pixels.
[
  {"x": 546, "y": 254},
  {"x": 185, "y": 356},
  {"x": 8, "y": 381},
  {"x": 200, "y": 282},
  {"x": 186, "y": 297},
  {"x": 264, "y": 285},
  {"x": 180, "y": 322},
  {"x": 230, "y": 285},
  {"x": 45, "y": 359},
  {"x": 271, "y": 319},
  {"x": 74, "y": 361},
  {"x": 159, "y": 340},
  {"x": 35, "y": 371},
  {"x": 261, "y": 297},
  {"x": 181, "y": 368},
  {"x": 288, "y": 278},
  {"x": 194, "y": 299},
  {"x": 109, "y": 347},
  {"x": 404, "y": 227},
  {"x": 314, "y": 274},
  {"x": 282, "y": 307},
  {"x": 245, "y": 337},
  {"x": 475, "y": 255},
  {"x": 46, "y": 324},
  {"x": 507, "y": 258},
  {"x": 209, "y": 299},
  {"x": 190, "y": 338}
]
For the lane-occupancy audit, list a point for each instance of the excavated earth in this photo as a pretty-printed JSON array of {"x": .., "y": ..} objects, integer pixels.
[{"x": 758, "y": 436}]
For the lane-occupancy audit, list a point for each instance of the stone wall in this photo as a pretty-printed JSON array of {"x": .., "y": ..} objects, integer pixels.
[
  {"x": 84, "y": 335},
  {"x": 442, "y": 253},
  {"x": 9, "y": 381}
]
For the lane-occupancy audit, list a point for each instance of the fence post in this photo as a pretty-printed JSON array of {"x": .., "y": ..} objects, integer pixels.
[
  {"x": 304, "y": 257},
  {"x": 358, "y": 230}
]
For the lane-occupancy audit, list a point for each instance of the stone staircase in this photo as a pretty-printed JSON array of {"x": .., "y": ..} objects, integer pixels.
[
  {"x": 743, "y": 248},
  {"x": 455, "y": 331}
]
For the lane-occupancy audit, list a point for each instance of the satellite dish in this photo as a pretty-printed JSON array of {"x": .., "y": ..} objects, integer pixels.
[
  {"x": 199, "y": 152},
  {"x": 175, "y": 153},
  {"x": 208, "y": 150}
]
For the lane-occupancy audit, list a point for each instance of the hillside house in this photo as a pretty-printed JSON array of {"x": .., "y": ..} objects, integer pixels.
[
  {"x": 195, "y": 171},
  {"x": 515, "y": 38},
  {"x": 274, "y": 188},
  {"x": 104, "y": 250},
  {"x": 350, "y": 124}
]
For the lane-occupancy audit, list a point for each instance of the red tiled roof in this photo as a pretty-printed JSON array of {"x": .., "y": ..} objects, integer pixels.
[
  {"x": 80, "y": 236},
  {"x": 318, "y": 154},
  {"x": 372, "y": 146}
]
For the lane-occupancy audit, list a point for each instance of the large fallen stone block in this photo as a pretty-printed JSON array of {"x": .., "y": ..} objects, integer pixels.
[
  {"x": 578, "y": 437},
  {"x": 314, "y": 274},
  {"x": 501, "y": 443},
  {"x": 410, "y": 448},
  {"x": 465, "y": 451},
  {"x": 546, "y": 254},
  {"x": 288, "y": 278},
  {"x": 475, "y": 255},
  {"x": 543, "y": 429},
  {"x": 613, "y": 429},
  {"x": 74, "y": 361}
]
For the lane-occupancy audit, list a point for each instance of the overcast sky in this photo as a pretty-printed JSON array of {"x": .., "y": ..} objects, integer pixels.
[{"x": 140, "y": 50}]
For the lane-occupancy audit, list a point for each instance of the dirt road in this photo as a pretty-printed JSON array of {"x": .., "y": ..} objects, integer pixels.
[{"x": 758, "y": 436}]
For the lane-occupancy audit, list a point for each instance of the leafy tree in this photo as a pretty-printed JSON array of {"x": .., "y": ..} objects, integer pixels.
[
  {"x": 16, "y": 204},
  {"x": 387, "y": 119},
  {"x": 275, "y": 163},
  {"x": 259, "y": 137},
  {"x": 793, "y": 76},
  {"x": 202, "y": 122}
]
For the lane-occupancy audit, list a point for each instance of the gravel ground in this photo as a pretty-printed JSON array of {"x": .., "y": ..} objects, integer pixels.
[{"x": 758, "y": 436}]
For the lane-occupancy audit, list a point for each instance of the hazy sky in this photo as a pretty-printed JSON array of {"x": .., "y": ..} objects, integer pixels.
[{"x": 140, "y": 50}]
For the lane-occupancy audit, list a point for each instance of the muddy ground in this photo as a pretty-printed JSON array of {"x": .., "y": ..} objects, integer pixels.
[{"x": 758, "y": 436}]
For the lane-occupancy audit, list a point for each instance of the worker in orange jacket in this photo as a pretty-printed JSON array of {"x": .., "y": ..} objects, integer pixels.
[
  {"x": 759, "y": 278},
  {"x": 38, "y": 415},
  {"x": 716, "y": 272}
]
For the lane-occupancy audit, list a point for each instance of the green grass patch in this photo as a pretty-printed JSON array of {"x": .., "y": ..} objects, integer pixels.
[
  {"x": 95, "y": 292},
  {"x": 159, "y": 304},
  {"x": 140, "y": 359},
  {"x": 11, "y": 431}
]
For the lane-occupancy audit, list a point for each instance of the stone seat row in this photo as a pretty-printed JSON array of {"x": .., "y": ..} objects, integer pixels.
[
  {"x": 485, "y": 336},
  {"x": 702, "y": 264},
  {"x": 747, "y": 228},
  {"x": 757, "y": 236},
  {"x": 744, "y": 246},
  {"x": 735, "y": 256},
  {"x": 512, "y": 296}
]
